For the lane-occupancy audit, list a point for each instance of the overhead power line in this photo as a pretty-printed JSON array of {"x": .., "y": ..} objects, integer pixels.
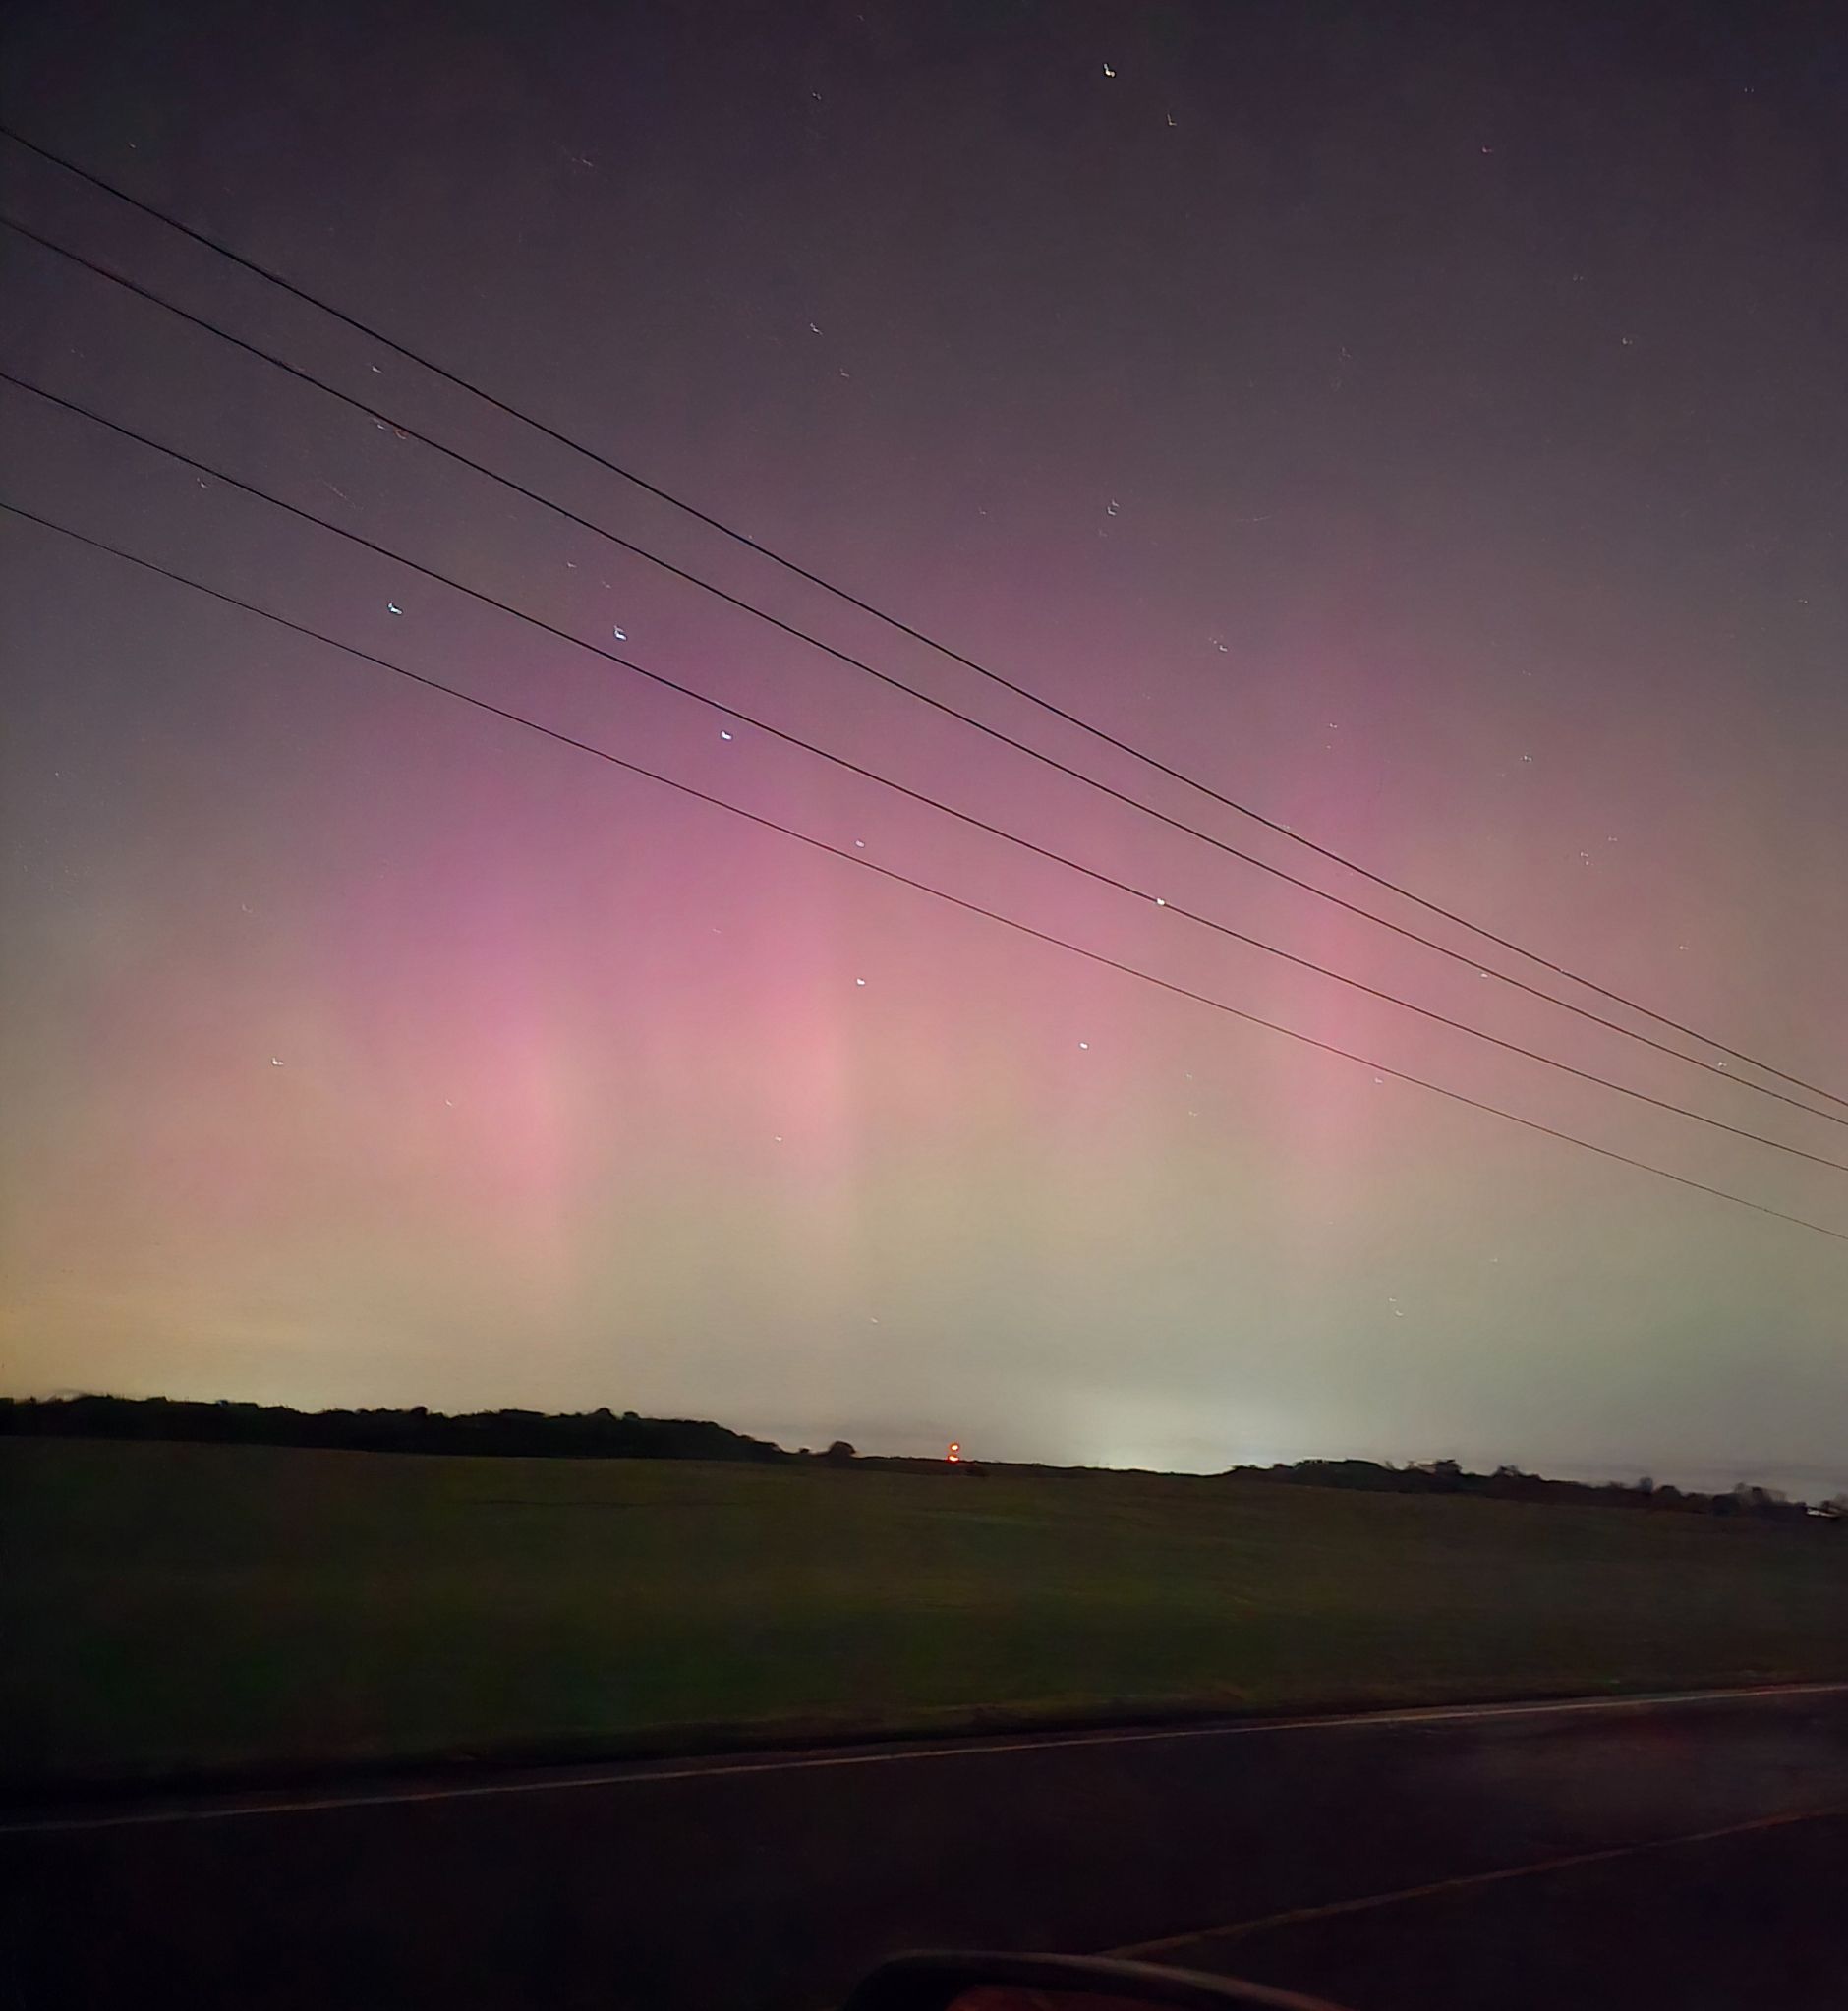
[
  {"x": 905, "y": 628},
  {"x": 892, "y": 874},
  {"x": 405, "y": 429},
  {"x": 1143, "y": 894}
]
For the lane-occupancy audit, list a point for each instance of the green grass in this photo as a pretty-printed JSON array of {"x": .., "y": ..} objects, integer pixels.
[{"x": 169, "y": 1609}]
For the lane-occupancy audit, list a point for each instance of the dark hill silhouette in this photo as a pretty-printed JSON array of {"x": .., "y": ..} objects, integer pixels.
[
  {"x": 589, "y": 1434},
  {"x": 1510, "y": 1483}
]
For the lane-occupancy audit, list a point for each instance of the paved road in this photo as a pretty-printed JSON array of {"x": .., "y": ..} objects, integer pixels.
[
  {"x": 1749, "y": 1922},
  {"x": 766, "y": 1885}
]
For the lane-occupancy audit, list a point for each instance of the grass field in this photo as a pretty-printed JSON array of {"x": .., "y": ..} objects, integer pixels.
[{"x": 170, "y": 1608}]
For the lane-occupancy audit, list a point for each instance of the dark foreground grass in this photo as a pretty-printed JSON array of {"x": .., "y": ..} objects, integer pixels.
[{"x": 170, "y": 1609}]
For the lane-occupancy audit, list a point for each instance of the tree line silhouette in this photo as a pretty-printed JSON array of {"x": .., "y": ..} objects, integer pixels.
[
  {"x": 1510, "y": 1483},
  {"x": 523, "y": 1434},
  {"x": 606, "y": 1434}
]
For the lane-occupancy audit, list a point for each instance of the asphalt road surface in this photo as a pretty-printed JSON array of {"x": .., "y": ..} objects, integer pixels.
[{"x": 1665, "y": 1852}]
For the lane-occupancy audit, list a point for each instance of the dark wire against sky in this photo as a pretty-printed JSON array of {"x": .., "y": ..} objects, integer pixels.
[
  {"x": 838, "y": 592},
  {"x": 1351, "y": 907}
]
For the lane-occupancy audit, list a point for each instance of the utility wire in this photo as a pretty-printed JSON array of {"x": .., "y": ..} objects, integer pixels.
[
  {"x": 874, "y": 776},
  {"x": 404, "y": 430},
  {"x": 889, "y": 873},
  {"x": 893, "y": 622}
]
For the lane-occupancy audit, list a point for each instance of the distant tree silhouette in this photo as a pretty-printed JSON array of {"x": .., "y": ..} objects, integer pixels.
[
  {"x": 1510, "y": 1483},
  {"x": 594, "y": 1435},
  {"x": 602, "y": 1434}
]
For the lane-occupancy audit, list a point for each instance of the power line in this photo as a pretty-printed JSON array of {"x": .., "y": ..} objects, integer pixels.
[
  {"x": 902, "y": 627},
  {"x": 892, "y": 874},
  {"x": 405, "y": 429},
  {"x": 874, "y": 776}
]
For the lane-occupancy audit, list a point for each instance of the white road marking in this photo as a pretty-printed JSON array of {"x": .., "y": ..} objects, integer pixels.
[
  {"x": 1138, "y": 1950},
  {"x": 640, "y": 1773}
]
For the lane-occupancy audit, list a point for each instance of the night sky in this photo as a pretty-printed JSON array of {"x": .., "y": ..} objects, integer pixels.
[{"x": 1428, "y": 427}]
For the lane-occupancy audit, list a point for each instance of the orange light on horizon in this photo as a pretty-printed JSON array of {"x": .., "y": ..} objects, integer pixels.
[{"x": 954, "y": 1453}]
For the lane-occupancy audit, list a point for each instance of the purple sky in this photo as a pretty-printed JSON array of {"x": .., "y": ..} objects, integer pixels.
[{"x": 1429, "y": 428}]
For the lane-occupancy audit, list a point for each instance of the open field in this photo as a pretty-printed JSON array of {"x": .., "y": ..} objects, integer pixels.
[{"x": 171, "y": 1608}]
